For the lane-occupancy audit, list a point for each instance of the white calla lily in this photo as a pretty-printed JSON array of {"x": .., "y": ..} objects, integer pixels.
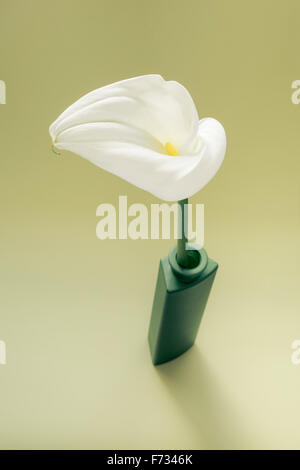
[{"x": 145, "y": 130}]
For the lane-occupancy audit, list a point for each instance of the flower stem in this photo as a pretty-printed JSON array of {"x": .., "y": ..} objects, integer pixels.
[{"x": 182, "y": 253}]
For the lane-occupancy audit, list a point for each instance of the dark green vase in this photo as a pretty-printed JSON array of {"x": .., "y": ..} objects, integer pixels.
[{"x": 179, "y": 303}]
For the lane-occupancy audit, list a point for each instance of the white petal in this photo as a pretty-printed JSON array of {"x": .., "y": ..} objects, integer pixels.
[
  {"x": 107, "y": 132},
  {"x": 136, "y": 157},
  {"x": 161, "y": 108}
]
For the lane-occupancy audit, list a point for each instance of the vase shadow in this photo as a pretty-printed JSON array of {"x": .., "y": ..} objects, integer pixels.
[{"x": 195, "y": 387}]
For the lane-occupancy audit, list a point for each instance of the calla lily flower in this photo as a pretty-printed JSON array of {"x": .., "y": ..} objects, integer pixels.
[{"x": 145, "y": 130}]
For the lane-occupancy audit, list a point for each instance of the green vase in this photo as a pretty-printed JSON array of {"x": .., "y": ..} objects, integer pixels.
[{"x": 179, "y": 302}]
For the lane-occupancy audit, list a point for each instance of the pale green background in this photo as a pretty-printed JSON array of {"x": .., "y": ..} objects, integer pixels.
[{"x": 74, "y": 309}]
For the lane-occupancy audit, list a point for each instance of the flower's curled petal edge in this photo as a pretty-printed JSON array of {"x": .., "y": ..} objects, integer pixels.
[
  {"x": 168, "y": 178},
  {"x": 164, "y": 109}
]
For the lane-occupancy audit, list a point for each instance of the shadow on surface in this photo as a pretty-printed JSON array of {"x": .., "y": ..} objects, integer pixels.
[{"x": 192, "y": 384}]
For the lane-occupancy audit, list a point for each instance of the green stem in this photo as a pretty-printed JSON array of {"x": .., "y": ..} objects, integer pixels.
[{"x": 182, "y": 253}]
